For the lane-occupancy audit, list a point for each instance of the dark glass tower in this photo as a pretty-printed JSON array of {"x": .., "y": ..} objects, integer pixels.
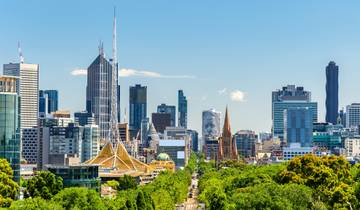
[
  {"x": 53, "y": 100},
  {"x": 332, "y": 92},
  {"x": 138, "y": 107},
  {"x": 182, "y": 108},
  {"x": 98, "y": 93},
  {"x": 163, "y": 108}
]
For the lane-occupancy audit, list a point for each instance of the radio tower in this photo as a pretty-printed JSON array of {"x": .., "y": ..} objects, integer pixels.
[{"x": 114, "y": 138}]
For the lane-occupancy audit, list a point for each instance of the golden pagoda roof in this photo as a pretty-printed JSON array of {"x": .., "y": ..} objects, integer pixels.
[{"x": 117, "y": 158}]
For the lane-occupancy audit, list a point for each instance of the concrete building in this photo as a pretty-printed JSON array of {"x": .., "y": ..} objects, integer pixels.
[
  {"x": 10, "y": 124},
  {"x": 28, "y": 90},
  {"x": 295, "y": 149},
  {"x": 352, "y": 146},
  {"x": 124, "y": 132},
  {"x": 353, "y": 115},
  {"x": 30, "y": 145}
]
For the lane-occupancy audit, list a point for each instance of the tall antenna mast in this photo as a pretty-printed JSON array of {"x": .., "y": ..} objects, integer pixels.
[
  {"x": 114, "y": 85},
  {"x": 20, "y": 53}
]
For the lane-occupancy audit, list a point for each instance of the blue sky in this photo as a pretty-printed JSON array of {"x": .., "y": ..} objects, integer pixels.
[{"x": 247, "y": 48}]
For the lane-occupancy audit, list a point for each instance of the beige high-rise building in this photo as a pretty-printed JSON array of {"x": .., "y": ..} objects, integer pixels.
[{"x": 28, "y": 90}]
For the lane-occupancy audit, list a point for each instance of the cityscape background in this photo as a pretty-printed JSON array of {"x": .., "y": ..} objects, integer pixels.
[{"x": 254, "y": 47}]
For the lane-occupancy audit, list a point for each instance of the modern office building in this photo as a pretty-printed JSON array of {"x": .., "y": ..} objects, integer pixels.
[
  {"x": 211, "y": 149},
  {"x": 48, "y": 101},
  {"x": 176, "y": 149},
  {"x": 246, "y": 143},
  {"x": 161, "y": 121},
  {"x": 29, "y": 142},
  {"x": 10, "y": 123},
  {"x": 353, "y": 115},
  {"x": 84, "y": 118},
  {"x": 182, "y": 109},
  {"x": 352, "y": 146},
  {"x": 294, "y": 150},
  {"x": 332, "y": 92},
  {"x": 342, "y": 117},
  {"x": 163, "y": 108},
  {"x": 90, "y": 142},
  {"x": 98, "y": 93},
  {"x": 28, "y": 90},
  {"x": 291, "y": 93},
  {"x": 124, "y": 132},
  {"x": 278, "y": 114},
  {"x": 211, "y": 124},
  {"x": 77, "y": 175},
  {"x": 194, "y": 135},
  {"x": 298, "y": 126},
  {"x": 138, "y": 108},
  {"x": 145, "y": 125}
]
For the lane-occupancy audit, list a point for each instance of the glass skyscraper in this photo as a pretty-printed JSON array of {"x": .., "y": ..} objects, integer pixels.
[
  {"x": 48, "y": 101},
  {"x": 182, "y": 109},
  {"x": 278, "y": 114},
  {"x": 10, "y": 124},
  {"x": 138, "y": 107},
  {"x": 163, "y": 108},
  {"x": 332, "y": 92},
  {"x": 98, "y": 93},
  {"x": 298, "y": 126}
]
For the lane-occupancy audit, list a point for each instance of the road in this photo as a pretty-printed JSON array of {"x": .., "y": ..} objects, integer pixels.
[{"x": 191, "y": 202}]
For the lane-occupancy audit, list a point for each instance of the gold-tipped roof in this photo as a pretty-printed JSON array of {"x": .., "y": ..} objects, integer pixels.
[{"x": 117, "y": 158}]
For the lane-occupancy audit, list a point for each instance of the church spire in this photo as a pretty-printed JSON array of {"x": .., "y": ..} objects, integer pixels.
[{"x": 227, "y": 129}]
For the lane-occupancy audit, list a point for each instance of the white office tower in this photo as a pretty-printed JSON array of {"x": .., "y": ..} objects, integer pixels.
[
  {"x": 353, "y": 115},
  {"x": 210, "y": 125},
  {"x": 28, "y": 89}
]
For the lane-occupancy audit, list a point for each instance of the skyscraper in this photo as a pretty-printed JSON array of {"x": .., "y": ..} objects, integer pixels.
[
  {"x": 161, "y": 121},
  {"x": 182, "y": 109},
  {"x": 98, "y": 93},
  {"x": 48, "y": 101},
  {"x": 289, "y": 96},
  {"x": 332, "y": 92},
  {"x": 10, "y": 124},
  {"x": 163, "y": 108},
  {"x": 353, "y": 115},
  {"x": 298, "y": 126},
  {"x": 138, "y": 107},
  {"x": 246, "y": 143},
  {"x": 28, "y": 90},
  {"x": 210, "y": 126}
]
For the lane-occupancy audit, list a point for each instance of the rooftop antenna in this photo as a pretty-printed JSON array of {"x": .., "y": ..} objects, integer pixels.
[
  {"x": 101, "y": 48},
  {"x": 20, "y": 53}
]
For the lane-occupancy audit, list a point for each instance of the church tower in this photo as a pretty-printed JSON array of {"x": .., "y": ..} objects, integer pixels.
[{"x": 227, "y": 144}]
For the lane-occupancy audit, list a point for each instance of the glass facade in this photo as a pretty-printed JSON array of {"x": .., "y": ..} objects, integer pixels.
[
  {"x": 10, "y": 131},
  {"x": 278, "y": 114},
  {"x": 182, "y": 108}
]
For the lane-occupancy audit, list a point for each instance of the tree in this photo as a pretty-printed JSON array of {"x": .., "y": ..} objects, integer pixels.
[
  {"x": 140, "y": 201},
  {"x": 44, "y": 184},
  {"x": 35, "y": 204},
  {"x": 8, "y": 187},
  {"x": 79, "y": 198},
  {"x": 127, "y": 182}
]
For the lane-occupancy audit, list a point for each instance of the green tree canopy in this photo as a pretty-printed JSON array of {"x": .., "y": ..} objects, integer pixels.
[
  {"x": 44, "y": 184},
  {"x": 79, "y": 198},
  {"x": 35, "y": 204},
  {"x": 127, "y": 182},
  {"x": 8, "y": 187}
]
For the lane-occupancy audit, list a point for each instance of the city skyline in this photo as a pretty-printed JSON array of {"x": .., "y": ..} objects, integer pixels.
[{"x": 144, "y": 51}]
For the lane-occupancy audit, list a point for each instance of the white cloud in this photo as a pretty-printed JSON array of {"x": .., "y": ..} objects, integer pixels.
[
  {"x": 135, "y": 73},
  {"x": 237, "y": 96},
  {"x": 150, "y": 74},
  {"x": 222, "y": 91},
  {"x": 79, "y": 72}
]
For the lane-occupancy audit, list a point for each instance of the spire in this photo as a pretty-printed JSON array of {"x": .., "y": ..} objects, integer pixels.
[
  {"x": 114, "y": 138},
  {"x": 227, "y": 129},
  {"x": 20, "y": 53}
]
